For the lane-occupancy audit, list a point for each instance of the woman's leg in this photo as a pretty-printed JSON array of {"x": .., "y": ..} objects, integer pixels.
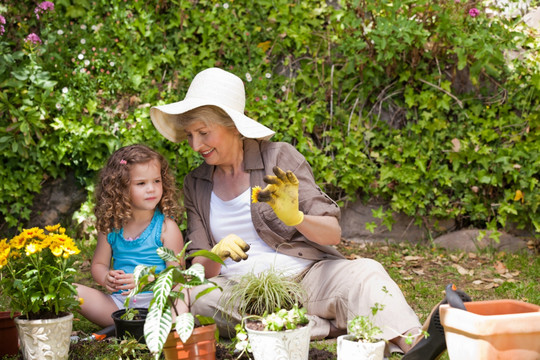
[{"x": 340, "y": 289}]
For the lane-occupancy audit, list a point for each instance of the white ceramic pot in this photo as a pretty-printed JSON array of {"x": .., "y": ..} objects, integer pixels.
[
  {"x": 47, "y": 339},
  {"x": 348, "y": 349},
  {"x": 280, "y": 345}
]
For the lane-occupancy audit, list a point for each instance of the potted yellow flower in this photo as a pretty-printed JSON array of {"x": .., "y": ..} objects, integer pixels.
[{"x": 37, "y": 278}]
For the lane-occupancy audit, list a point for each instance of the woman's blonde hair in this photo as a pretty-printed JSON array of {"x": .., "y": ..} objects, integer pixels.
[
  {"x": 113, "y": 201},
  {"x": 209, "y": 115}
]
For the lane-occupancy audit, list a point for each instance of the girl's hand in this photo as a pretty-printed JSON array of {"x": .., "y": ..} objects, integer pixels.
[
  {"x": 110, "y": 280},
  {"x": 125, "y": 282}
]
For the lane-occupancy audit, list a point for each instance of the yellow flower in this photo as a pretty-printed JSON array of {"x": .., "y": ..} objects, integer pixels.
[
  {"x": 519, "y": 196},
  {"x": 255, "y": 193},
  {"x": 4, "y": 252},
  {"x": 18, "y": 242},
  {"x": 62, "y": 245},
  {"x": 32, "y": 248},
  {"x": 56, "y": 250},
  {"x": 52, "y": 228},
  {"x": 81, "y": 301}
]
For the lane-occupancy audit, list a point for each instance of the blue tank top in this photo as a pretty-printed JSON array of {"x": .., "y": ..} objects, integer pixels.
[{"x": 127, "y": 254}]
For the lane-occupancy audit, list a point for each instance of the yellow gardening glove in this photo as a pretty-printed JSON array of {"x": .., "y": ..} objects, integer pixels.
[
  {"x": 231, "y": 246},
  {"x": 281, "y": 194}
]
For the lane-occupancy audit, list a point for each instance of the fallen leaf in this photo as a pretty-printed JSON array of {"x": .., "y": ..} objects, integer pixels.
[
  {"x": 500, "y": 267},
  {"x": 498, "y": 281},
  {"x": 456, "y": 258},
  {"x": 419, "y": 272},
  {"x": 413, "y": 258},
  {"x": 461, "y": 270},
  {"x": 490, "y": 286},
  {"x": 472, "y": 255},
  {"x": 477, "y": 282}
]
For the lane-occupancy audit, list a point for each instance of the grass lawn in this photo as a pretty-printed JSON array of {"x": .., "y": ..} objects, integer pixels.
[{"x": 421, "y": 271}]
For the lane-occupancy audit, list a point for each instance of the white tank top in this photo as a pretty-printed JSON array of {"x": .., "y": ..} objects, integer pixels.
[{"x": 234, "y": 217}]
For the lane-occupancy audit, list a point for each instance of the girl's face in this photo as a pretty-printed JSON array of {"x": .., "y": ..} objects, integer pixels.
[
  {"x": 146, "y": 186},
  {"x": 216, "y": 143}
]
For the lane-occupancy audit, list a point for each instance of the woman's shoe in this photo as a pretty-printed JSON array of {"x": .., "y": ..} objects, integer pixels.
[{"x": 431, "y": 347}]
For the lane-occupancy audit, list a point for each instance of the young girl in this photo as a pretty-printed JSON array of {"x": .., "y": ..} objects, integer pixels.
[{"x": 136, "y": 202}]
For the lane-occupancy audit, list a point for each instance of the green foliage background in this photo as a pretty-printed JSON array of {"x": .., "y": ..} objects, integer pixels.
[{"x": 415, "y": 102}]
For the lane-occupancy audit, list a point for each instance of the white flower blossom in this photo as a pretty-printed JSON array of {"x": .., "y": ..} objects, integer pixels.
[
  {"x": 60, "y": 32},
  {"x": 86, "y": 62},
  {"x": 248, "y": 77},
  {"x": 268, "y": 75},
  {"x": 226, "y": 5},
  {"x": 65, "y": 90},
  {"x": 83, "y": 41},
  {"x": 80, "y": 56},
  {"x": 111, "y": 63},
  {"x": 83, "y": 27}
]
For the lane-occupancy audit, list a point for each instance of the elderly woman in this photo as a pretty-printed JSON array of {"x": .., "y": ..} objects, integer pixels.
[{"x": 295, "y": 233}]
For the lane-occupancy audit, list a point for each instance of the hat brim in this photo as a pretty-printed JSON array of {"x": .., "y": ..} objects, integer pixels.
[{"x": 166, "y": 120}]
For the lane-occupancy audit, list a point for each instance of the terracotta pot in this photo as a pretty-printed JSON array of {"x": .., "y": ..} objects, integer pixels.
[
  {"x": 9, "y": 345},
  {"x": 45, "y": 339},
  {"x": 280, "y": 345},
  {"x": 200, "y": 346},
  {"x": 496, "y": 329},
  {"x": 130, "y": 328},
  {"x": 350, "y": 349}
]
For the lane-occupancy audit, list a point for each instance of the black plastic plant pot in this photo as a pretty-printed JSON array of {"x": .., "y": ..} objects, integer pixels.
[{"x": 130, "y": 328}]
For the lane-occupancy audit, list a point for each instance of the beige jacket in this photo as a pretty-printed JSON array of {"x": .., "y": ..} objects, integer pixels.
[{"x": 259, "y": 159}]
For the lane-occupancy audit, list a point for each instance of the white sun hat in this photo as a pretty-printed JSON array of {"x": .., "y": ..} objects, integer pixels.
[{"x": 212, "y": 86}]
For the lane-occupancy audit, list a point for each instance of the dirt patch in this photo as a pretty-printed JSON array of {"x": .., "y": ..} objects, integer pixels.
[{"x": 225, "y": 353}]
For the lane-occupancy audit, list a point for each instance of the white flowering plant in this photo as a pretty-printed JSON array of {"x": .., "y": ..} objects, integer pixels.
[{"x": 280, "y": 320}]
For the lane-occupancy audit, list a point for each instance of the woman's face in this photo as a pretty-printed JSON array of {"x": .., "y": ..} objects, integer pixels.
[{"x": 216, "y": 143}]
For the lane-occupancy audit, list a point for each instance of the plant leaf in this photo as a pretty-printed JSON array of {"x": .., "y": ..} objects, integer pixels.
[
  {"x": 162, "y": 288},
  {"x": 166, "y": 255},
  {"x": 184, "y": 326},
  {"x": 157, "y": 327}
]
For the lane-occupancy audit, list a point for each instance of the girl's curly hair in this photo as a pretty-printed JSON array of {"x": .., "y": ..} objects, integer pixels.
[{"x": 113, "y": 202}]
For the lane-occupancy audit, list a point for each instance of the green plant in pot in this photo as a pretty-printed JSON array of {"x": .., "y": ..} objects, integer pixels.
[
  {"x": 171, "y": 291},
  {"x": 129, "y": 322},
  {"x": 364, "y": 339},
  {"x": 271, "y": 315},
  {"x": 262, "y": 293},
  {"x": 251, "y": 333}
]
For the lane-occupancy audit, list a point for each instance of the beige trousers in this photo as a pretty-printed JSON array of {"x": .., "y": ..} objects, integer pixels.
[{"x": 337, "y": 291}]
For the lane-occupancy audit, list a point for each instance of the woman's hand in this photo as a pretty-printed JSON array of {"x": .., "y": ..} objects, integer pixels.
[
  {"x": 281, "y": 194},
  {"x": 231, "y": 246}
]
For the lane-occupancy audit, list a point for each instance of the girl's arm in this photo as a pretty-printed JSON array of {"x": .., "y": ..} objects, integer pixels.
[
  {"x": 101, "y": 263},
  {"x": 171, "y": 237}
]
